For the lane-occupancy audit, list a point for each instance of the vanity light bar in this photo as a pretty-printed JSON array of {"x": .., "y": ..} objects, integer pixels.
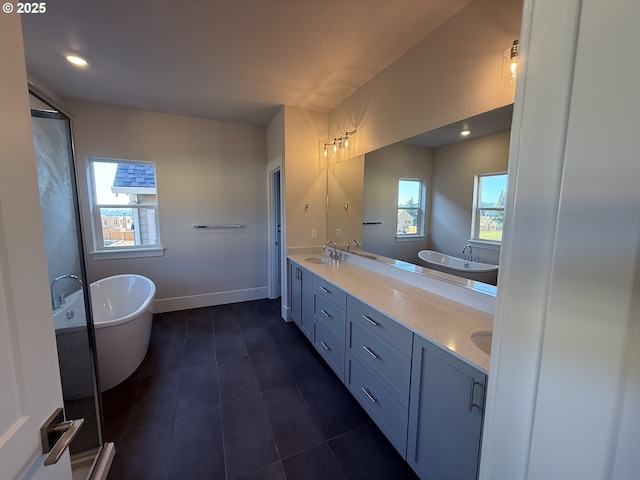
[{"x": 341, "y": 142}]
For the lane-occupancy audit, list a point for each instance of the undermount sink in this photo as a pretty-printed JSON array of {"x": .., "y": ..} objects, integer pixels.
[
  {"x": 318, "y": 260},
  {"x": 482, "y": 340}
]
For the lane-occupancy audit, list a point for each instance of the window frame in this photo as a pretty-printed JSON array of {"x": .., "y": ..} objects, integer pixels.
[
  {"x": 100, "y": 251},
  {"x": 422, "y": 207},
  {"x": 477, "y": 208}
]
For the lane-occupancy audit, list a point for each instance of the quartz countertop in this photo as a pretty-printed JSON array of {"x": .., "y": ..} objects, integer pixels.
[{"x": 444, "y": 322}]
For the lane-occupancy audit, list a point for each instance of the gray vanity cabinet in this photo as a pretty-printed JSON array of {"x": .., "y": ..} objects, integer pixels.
[
  {"x": 301, "y": 288},
  {"x": 427, "y": 402},
  {"x": 445, "y": 414}
]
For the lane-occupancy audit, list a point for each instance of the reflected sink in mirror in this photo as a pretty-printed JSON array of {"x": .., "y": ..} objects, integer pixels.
[
  {"x": 318, "y": 260},
  {"x": 482, "y": 340}
]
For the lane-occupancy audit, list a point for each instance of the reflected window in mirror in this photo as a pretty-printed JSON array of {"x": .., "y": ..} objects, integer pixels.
[
  {"x": 490, "y": 192},
  {"x": 411, "y": 207}
]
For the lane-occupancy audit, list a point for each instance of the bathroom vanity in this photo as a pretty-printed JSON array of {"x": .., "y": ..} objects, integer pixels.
[{"x": 406, "y": 355}]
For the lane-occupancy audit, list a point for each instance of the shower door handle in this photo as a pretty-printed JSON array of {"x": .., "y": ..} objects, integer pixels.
[{"x": 56, "y": 435}]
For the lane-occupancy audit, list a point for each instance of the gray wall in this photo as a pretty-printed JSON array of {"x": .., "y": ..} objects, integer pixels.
[{"x": 208, "y": 172}]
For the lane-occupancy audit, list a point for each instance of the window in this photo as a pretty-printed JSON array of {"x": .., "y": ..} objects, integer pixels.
[
  {"x": 488, "y": 213},
  {"x": 125, "y": 204},
  {"x": 411, "y": 206}
]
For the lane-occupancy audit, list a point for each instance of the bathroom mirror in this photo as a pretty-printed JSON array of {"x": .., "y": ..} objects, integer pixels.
[{"x": 363, "y": 191}]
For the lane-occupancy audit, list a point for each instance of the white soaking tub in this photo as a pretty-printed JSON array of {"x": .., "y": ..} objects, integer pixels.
[
  {"x": 481, "y": 272},
  {"x": 122, "y": 307}
]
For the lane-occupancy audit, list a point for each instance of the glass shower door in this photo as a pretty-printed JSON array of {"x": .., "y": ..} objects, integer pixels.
[{"x": 71, "y": 312}]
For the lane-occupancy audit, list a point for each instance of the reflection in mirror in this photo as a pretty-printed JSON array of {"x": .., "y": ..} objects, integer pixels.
[
  {"x": 365, "y": 198},
  {"x": 344, "y": 209}
]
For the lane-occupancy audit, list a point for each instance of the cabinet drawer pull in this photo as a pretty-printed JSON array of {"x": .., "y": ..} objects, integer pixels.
[
  {"x": 471, "y": 392},
  {"x": 368, "y": 394},
  {"x": 370, "y": 352},
  {"x": 325, "y": 313},
  {"x": 325, "y": 290},
  {"x": 326, "y": 347},
  {"x": 371, "y": 320}
]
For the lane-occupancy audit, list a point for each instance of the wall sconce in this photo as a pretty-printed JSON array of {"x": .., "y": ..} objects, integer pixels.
[
  {"x": 325, "y": 152},
  {"x": 338, "y": 143},
  {"x": 510, "y": 63}
]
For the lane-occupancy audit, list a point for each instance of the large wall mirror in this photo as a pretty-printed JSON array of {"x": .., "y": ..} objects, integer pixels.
[{"x": 420, "y": 194}]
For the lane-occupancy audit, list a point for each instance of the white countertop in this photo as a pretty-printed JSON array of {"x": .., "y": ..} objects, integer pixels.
[{"x": 444, "y": 322}]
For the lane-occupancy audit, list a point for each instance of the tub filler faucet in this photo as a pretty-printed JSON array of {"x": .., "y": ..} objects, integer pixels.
[
  {"x": 58, "y": 300},
  {"x": 470, "y": 252}
]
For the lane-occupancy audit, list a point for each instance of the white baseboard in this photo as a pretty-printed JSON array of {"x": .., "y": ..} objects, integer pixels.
[
  {"x": 162, "y": 305},
  {"x": 284, "y": 312}
]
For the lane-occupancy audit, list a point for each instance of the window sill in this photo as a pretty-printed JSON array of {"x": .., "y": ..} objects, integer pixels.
[
  {"x": 410, "y": 238},
  {"x": 126, "y": 253},
  {"x": 486, "y": 245}
]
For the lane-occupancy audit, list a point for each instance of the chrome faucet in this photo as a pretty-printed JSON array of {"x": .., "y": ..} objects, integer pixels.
[
  {"x": 334, "y": 253},
  {"x": 58, "y": 300},
  {"x": 354, "y": 241},
  {"x": 329, "y": 243},
  {"x": 470, "y": 252}
]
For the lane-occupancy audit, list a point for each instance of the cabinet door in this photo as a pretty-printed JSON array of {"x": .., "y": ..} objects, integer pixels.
[
  {"x": 301, "y": 288},
  {"x": 445, "y": 414},
  {"x": 306, "y": 313},
  {"x": 295, "y": 287}
]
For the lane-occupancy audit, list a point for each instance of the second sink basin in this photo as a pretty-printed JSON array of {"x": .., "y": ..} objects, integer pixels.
[
  {"x": 318, "y": 260},
  {"x": 482, "y": 340}
]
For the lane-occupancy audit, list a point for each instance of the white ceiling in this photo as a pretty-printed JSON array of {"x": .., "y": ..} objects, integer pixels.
[
  {"x": 487, "y": 123},
  {"x": 230, "y": 60}
]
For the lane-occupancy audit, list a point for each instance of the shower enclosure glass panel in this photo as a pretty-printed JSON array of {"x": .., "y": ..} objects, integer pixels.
[{"x": 71, "y": 312}]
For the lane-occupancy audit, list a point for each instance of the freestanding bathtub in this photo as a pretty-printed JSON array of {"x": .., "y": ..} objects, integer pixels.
[
  {"x": 122, "y": 307},
  {"x": 482, "y": 272}
]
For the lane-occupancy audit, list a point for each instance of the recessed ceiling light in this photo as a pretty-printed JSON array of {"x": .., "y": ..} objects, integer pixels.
[
  {"x": 465, "y": 132},
  {"x": 76, "y": 60}
]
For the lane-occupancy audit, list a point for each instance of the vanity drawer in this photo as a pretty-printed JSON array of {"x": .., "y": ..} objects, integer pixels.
[
  {"x": 393, "y": 332},
  {"x": 393, "y": 367},
  {"x": 330, "y": 316},
  {"x": 389, "y": 415},
  {"x": 330, "y": 291},
  {"x": 331, "y": 349}
]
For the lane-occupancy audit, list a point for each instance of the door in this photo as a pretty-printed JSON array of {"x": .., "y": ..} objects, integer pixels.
[
  {"x": 30, "y": 382},
  {"x": 276, "y": 262},
  {"x": 29, "y": 377},
  {"x": 72, "y": 320}
]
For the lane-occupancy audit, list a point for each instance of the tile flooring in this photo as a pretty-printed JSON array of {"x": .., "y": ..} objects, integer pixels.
[{"x": 233, "y": 392}]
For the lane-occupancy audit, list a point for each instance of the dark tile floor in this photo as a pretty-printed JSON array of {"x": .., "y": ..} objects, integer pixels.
[{"x": 234, "y": 392}]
